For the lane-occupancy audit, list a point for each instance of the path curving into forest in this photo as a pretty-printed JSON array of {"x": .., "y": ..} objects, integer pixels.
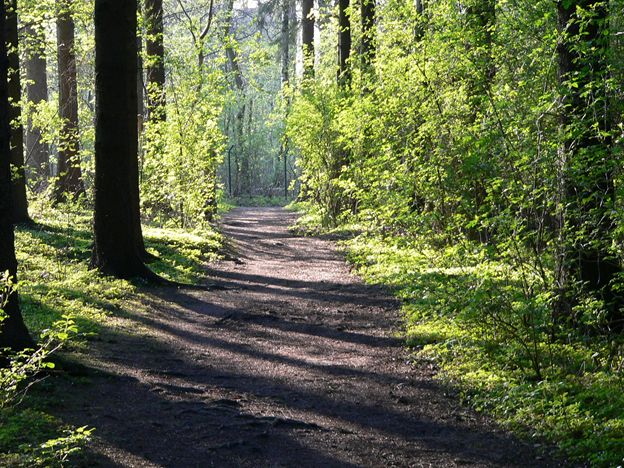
[{"x": 293, "y": 362}]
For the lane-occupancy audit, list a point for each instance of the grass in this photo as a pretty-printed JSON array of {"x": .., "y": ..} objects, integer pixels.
[{"x": 55, "y": 280}]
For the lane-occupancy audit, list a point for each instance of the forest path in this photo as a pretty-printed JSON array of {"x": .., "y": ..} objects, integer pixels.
[{"x": 293, "y": 363}]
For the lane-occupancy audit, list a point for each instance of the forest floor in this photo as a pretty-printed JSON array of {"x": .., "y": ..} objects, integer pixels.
[{"x": 287, "y": 360}]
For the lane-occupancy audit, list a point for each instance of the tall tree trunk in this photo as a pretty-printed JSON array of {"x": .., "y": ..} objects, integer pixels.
[
  {"x": 13, "y": 332},
  {"x": 116, "y": 248},
  {"x": 419, "y": 30},
  {"x": 18, "y": 174},
  {"x": 344, "y": 43},
  {"x": 69, "y": 179},
  {"x": 367, "y": 50},
  {"x": 155, "y": 53},
  {"x": 140, "y": 81},
  {"x": 481, "y": 18},
  {"x": 587, "y": 166},
  {"x": 285, "y": 50},
  {"x": 307, "y": 37},
  {"x": 239, "y": 84},
  {"x": 37, "y": 151},
  {"x": 285, "y": 41}
]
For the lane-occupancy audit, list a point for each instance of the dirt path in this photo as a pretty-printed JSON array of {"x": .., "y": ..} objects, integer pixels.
[{"x": 293, "y": 364}]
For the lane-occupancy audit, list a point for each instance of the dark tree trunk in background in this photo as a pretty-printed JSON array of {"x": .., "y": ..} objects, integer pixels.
[
  {"x": 419, "y": 30},
  {"x": 116, "y": 247},
  {"x": 69, "y": 179},
  {"x": 18, "y": 174},
  {"x": 587, "y": 166},
  {"x": 344, "y": 43},
  {"x": 155, "y": 53},
  {"x": 481, "y": 17},
  {"x": 367, "y": 52},
  {"x": 13, "y": 332},
  {"x": 307, "y": 37},
  {"x": 37, "y": 151},
  {"x": 481, "y": 21},
  {"x": 239, "y": 84},
  {"x": 285, "y": 55},
  {"x": 285, "y": 41}
]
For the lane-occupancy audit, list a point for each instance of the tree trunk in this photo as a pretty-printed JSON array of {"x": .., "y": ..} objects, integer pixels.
[
  {"x": 155, "y": 53},
  {"x": 37, "y": 151},
  {"x": 240, "y": 86},
  {"x": 285, "y": 41},
  {"x": 13, "y": 332},
  {"x": 18, "y": 175},
  {"x": 140, "y": 83},
  {"x": 69, "y": 179},
  {"x": 116, "y": 246},
  {"x": 481, "y": 18},
  {"x": 344, "y": 43},
  {"x": 419, "y": 30},
  {"x": 367, "y": 51},
  {"x": 307, "y": 37},
  {"x": 586, "y": 166}
]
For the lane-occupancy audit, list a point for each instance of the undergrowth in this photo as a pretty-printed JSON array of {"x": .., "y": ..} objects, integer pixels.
[
  {"x": 487, "y": 326},
  {"x": 56, "y": 282}
]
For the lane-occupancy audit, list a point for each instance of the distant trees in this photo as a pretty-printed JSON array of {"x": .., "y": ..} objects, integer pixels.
[{"x": 13, "y": 332}]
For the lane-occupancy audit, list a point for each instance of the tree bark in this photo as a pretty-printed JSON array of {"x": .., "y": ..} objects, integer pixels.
[
  {"x": 419, "y": 30},
  {"x": 307, "y": 37},
  {"x": 285, "y": 41},
  {"x": 140, "y": 82},
  {"x": 481, "y": 19},
  {"x": 18, "y": 174},
  {"x": 587, "y": 166},
  {"x": 69, "y": 179},
  {"x": 37, "y": 151},
  {"x": 344, "y": 43},
  {"x": 155, "y": 53},
  {"x": 13, "y": 332},
  {"x": 116, "y": 222},
  {"x": 239, "y": 84},
  {"x": 367, "y": 50}
]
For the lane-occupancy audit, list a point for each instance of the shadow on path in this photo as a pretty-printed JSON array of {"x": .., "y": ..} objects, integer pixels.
[{"x": 295, "y": 364}]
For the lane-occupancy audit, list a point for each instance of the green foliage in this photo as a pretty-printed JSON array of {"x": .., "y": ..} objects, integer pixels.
[
  {"x": 25, "y": 430},
  {"x": 468, "y": 133},
  {"x": 182, "y": 153},
  {"x": 472, "y": 316}
]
